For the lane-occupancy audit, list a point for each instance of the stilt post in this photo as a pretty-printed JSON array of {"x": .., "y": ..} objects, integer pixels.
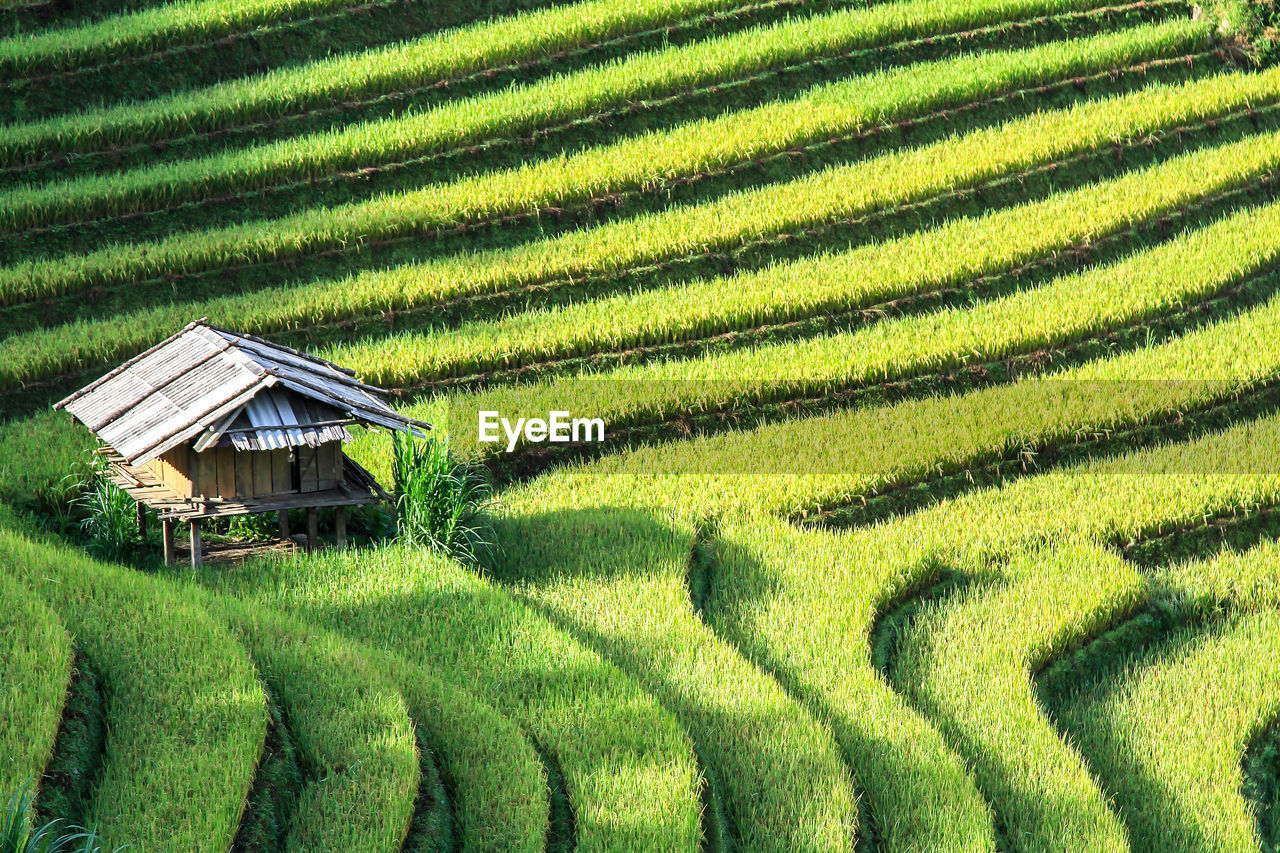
[
  {"x": 170, "y": 555},
  {"x": 282, "y": 517},
  {"x": 197, "y": 558},
  {"x": 340, "y": 527},
  {"x": 313, "y": 528}
]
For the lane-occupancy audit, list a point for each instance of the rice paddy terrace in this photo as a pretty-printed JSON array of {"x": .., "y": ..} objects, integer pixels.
[{"x": 938, "y": 343}]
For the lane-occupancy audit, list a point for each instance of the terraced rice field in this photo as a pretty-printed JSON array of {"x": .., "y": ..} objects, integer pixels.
[{"x": 938, "y": 344}]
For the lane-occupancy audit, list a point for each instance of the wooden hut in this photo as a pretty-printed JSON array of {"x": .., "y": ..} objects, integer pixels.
[{"x": 212, "y": 423}]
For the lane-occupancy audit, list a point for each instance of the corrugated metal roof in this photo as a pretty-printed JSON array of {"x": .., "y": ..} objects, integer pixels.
[
  {"x": 201, "y": 378},
  {"x": 274, "y": 408}
]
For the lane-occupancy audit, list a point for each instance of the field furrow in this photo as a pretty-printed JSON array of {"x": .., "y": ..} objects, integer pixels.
[
  {"x": 399, "y": 78},
  {"x": 351, "y": 728},
  {"x": 828, "y": 110},
  {"x": 182, "y": 25},
  {"x": 71, "y": 775},
  {"x": 638, "y": 613},
  {"x": 962, "y": 256},
  {"x": 269, "y": 808},
  {"x": 929, "y": 359},
  {"x": 743, "y": 230},
  {"x": 35, "y": 671},
  {"x": 628, "y": 767},
  {"x": 186, "y": 714},
  {"x": 441, "y": 66},
  {"x": 1169, "y": 733},
  {"x": 1192, "y": 269},
  {"x": 75, "y": 344},
  {"x": 919, "y": 794},
  {"x": 967, "y": 664}
]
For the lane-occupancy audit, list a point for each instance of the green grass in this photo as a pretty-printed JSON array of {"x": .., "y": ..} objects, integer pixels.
[
  {"x": 186, "y": 713},
  {"x": 875, "y": 184},
  {"x": 35, "y": 669},
  {"x": 766, "y": 578},
  {"x": 644, "y": 161},
  {"x": 967, "y": 663},
  {"x": 950, "y": 255},
  {"x": 195, "y": 20},
  {"x": 629, "y": 769},
  {"x": 617, "y": 579},
  {"x": 482, "y": 46},
  {"x": 1146, "y": 284},
  {"x": 1169, "y": 735},
  {"x": 350, "y": 725}
]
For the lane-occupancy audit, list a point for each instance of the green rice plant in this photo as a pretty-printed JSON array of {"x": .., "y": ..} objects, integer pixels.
[
  {"x": 35, "y": 669},
  {"x": 192, "y": 20},
  {"x": 853, "y": 455},
  {"x": 441, "y": 503},
  {"x": 478, "y": 47},
  {"x": 44, "y": 465},
  {"x": 1169, "y": 735},
  {"x": 966, "y": 663},
  {"x": 953, "y": 253},
  {"x": 768, "y": 576},
  {"x": 187, "y": 715},
  {"x": 630, "y": 164},
  {"x": 1146, "y": 284},
  {"x": 351, "y": 727},
  {"x": 1142, "y": 491},
  {"x": 629, "y": 769},
  {"x": 493, "y": 774},
  {"x": 144, "y": 30},
  {"x": 918, "y": 794},
  {"x": 617, "y": 577},
  {"x": 871, "y": 185}
]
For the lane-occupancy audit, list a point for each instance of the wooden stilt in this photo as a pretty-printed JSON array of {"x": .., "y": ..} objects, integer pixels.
[
  {"x": 340, "y": 527},
  {"x": 196, "y": 556},
  {"x": 283, "y": 518},
  {"x": 170, "y": 555},
  {"x": 313, "y": 528}
]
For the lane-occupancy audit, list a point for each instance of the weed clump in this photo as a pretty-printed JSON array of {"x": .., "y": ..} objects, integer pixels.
[
  {"x": 19, "y": 835},
  {"x": 441, "y": 502}
]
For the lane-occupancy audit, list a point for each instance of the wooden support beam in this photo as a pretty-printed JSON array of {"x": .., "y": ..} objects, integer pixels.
[
  {"x": 313, "y": 528},
  {"x": 170, "y": 554},
  {"x": 197, "y": 558},
  {"x": 340, "y": 527},
  {"x": 282, "y": 518}
]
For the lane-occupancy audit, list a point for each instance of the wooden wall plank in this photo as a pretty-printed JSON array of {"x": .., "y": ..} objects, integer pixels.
[
  {"x": 244, "y": 471},
  {"x": 308, "y": 468},
  {"x": 260, "y": 461},
  {"x": 226, "y": 472},
  {"x": 328, "y": 466},
  {"x": 205, "y": 468},
  {"x": 281, "y": 472}
]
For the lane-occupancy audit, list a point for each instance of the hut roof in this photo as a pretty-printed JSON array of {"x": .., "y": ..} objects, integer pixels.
[{"x": 203, "y": 378}]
